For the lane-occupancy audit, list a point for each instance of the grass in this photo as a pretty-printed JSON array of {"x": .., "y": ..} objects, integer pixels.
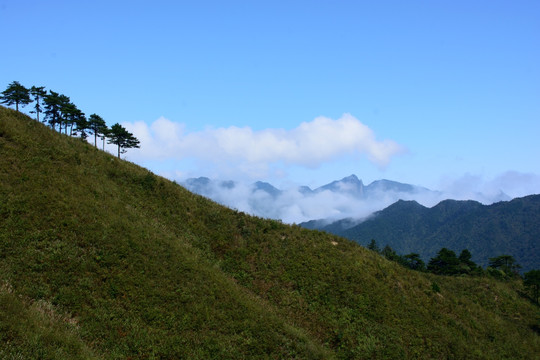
[{"x": 100, "y": 258}]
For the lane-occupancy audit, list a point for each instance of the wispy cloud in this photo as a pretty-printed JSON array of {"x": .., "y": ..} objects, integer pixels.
[
  {"x": 310, "y": 144},
  {"x": 476, "y": 187},
  {"x": 293, "y": 206}
]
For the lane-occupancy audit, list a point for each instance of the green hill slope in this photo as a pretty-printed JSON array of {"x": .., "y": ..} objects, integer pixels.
[{"x": 101, "y": 259}]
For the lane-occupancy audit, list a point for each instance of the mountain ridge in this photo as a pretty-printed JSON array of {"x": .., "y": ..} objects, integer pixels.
[
  {"x": 507, "y": 227},
  {"x": 199, "y": 184},
  {"x": 339, "y": 199}
]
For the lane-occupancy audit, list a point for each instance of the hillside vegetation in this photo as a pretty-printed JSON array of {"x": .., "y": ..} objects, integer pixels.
[
  {"x": 508, "y": 227},
  {"x": 101, "y": 259}
]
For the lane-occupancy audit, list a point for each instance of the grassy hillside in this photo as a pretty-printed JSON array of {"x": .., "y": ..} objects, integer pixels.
[
  {"x": 100, "y": 258},
  {"x": 511, "y": 228}
]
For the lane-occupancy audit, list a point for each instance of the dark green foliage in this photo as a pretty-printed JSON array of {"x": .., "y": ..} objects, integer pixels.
[
  {"x": 74, "y": 119},
  {"x": 414, "y": 261},
  {"x": 531, "y": 280},
  {"x": 67, "y": 111},
  {"x": 59, "y": 110},
  {"x": 411, "y": 261},
  {"x": 445, "y": 263},
  {"x": 38, "y": 93},
  {"x": 101, "y": 259},
  {"x": 466, "y": 265},
  {"x": 15, "y": 94},
  {"x": 119, "y": 136},
  {"x": 505, "y": 263},
  {"x": 389, "y": 253},
  {"x": 81, "y": 125},
  {"x": 97, "y": 127},
  {"x": 465, "y": 257},
  {"x": 373, "y": 246},
  {"x": 53, "y": 107}
]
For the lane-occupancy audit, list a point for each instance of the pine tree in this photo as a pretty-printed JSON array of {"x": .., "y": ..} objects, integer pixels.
[
  {"x": 389, "y": 253},
  {"x": 466, "y": 265},
  {"x": 97, "y": 126},
  {"x": 505, "y": 263},
  {"x": 67, "y": 112},
  {"x": 70, "y": 113},
  {"x": 53, "y": 104},
  {"x": 119, "y": 136},
  {"x": 16, "y": 94},
  {"x": 414, "y": 261},
  {"x": 38, "y": 93},
  {"x": 373, "y": 246},
  {"x": 82, "y": 125},
  {"x": 445, "y": 263}
]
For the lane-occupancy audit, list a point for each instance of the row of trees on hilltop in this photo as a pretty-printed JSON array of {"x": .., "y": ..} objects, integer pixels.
[
  {"x": 446, "y": 262},
  {"x": 59, "y": 111}
]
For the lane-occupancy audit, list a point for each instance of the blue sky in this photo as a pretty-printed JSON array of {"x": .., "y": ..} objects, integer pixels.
[{"x": 433, "y": 93}]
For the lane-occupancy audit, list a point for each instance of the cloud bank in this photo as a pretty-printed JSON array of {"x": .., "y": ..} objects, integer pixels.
[
  {"x": 292, "y": 206},
  {"x": 509, "y": 184},
  {"x": 309, "y": 145},
  {"x": 295, "y": 205}
]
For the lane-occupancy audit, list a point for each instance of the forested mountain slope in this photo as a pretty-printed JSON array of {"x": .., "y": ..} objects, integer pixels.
[
  {"x": 99, "y": 258},
  {"x": 507, "y": 227}
]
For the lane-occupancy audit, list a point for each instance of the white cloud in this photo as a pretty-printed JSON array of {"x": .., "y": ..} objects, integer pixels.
[
  {"x": 292, "y": 206},
  {"x": 161, "y": 140},
  {"x": 310, "y": 144},
  {"x": 517, "y": 184}
]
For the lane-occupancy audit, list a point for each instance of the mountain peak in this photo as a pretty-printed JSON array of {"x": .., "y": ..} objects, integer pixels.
[
  {"x": 410, "y": 205},
  {"x": 389, "y": 185},
  {"x": 351, "y": 179},
  {"x": 349, "y": 185},
  {"x": 266, "y": 187}
]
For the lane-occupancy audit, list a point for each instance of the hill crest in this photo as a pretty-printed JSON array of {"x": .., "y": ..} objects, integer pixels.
[{"x": 99, "y": 258}]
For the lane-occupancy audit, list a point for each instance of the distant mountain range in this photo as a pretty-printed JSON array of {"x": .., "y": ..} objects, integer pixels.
[
  {"x": 340, "y": 199},
  {"x": 349, "y": 185},
  {"x": 409, "y": 218},
  {"x": 510, "y": 228}
]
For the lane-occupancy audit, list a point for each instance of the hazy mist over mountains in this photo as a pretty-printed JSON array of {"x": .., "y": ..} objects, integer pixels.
[{"x": 345, "y": 198}]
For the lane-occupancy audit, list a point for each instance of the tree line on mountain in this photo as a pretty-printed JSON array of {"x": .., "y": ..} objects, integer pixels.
[
  {"x": 446, "y": 262},
  {"x": 59, "y": 110}
]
